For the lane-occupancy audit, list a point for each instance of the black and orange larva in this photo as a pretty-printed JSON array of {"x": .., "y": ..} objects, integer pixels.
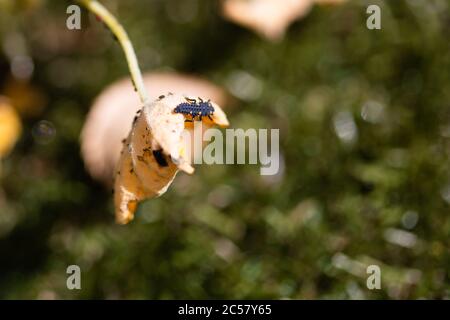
[{"x": 195, "y": 109}]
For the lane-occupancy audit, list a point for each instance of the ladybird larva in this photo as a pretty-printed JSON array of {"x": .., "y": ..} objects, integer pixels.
[{"x": 195, "y": 109}]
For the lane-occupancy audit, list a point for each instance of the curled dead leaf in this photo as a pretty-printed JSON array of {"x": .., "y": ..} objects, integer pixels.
[
  {"x": 153, "y": 153},
  {"x": 112, "y": 113}
]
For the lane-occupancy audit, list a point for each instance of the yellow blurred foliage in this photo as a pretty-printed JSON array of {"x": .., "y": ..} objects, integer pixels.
[
  {"x": 10, "y": 5},
  {"x": 27, "y": 99},
  {"x": 10, "y": 127}
]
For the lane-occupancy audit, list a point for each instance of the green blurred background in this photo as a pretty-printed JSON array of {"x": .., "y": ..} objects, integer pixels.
[{"x": 364, "y": 118}]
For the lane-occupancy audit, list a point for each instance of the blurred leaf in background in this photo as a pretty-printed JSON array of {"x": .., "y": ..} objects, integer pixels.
[{"x": 10, "y": 127}]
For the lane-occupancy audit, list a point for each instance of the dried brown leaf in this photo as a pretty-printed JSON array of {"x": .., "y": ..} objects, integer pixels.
[
  {"x": 112, "y": 113},
  {"x": 153, "y": 153}
]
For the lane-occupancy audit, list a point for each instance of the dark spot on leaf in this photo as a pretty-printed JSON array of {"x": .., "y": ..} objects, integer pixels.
[{"x": 160, "y": 158}]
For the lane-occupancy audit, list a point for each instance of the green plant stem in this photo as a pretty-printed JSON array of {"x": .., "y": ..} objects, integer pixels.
[{"x": 116, "y": 28}]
